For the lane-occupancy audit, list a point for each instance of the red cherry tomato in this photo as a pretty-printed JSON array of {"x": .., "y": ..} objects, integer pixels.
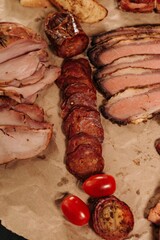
[
  {"x": 99, "y": 185},
  {"x": 75, "y": 210}
]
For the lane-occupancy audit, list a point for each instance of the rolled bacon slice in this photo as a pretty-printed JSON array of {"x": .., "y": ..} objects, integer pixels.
[{"x": 133, "y": 105}]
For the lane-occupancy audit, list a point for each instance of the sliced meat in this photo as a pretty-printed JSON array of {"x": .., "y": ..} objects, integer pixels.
[
  {"x": 140, "y": 61},
  {"x": 127, "y": 78},
  {"x": 83, "y": 139},
  {"x": 141, "y": 6},
  {"x": 83, "y": 119},
  {"x": 18, "y": 40},
  {"x": 19, "y": 142},
  {"x": 154, "y": 214},
  {"x": 20, "y": 67},
  {"x": 135, "y": 106},
  {"x": 78, "y": 99},
  {"x": 23, "y": 93},
  {"x": 12, "y": 117},
  {"x": 78, "y": 88},
  {"x": 104, "y": 55},
  {"x": 35, "y": 77},
  {"x": 63, "y": 81},
  {"x": 32, "y": 110},
  {"x": 150, "y": 29},
  {"x": 84, "y": 162},
  {"x": 76, "y": 67}
]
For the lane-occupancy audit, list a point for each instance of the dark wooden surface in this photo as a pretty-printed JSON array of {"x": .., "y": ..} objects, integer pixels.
[{"x": 6, "y": 234}]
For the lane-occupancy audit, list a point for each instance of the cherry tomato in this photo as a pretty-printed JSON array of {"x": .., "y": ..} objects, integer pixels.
[
  {"x": 99, "y": 185},
  {"x": 75, "y": 210}
]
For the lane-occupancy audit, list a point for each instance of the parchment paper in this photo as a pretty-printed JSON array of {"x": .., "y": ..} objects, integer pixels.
[{"x": 30, "y": 190}]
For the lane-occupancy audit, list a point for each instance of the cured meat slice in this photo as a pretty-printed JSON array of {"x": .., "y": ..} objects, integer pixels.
[
  {"x": 84, "y": 162},
  {"x": 63, "y": 81},
  {"x": 104, "y": 55},
  {"x": 142, "y": 6},
  {"x": 22, "y": 94},
  {"x": 19, "y": 142},
  {"x": 83, "y": 139},
  {"x": 20, "y": 67},
  {"x": 135, "y": 106},
  {"x": 158, "y": 6},
  {"x": 139, "y": 61},
  {"x": 78, "y": 88},
  {"x": 17, "y": 40},
  {"x": 126, "y": 78},
  {"x": 32, "y": 110},
  {"x": 83, "y": 119},
  {"x": 12, "y": 117},
  {"x": 76, "y": 67},
  {"x": 78, "y": 99},
  {"x": 150, "y": 29}
]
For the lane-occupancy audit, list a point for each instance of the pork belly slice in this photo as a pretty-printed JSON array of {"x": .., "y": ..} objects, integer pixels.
[
  {"x": 133, "y": 105},
  {"x": 104, "y": 55},
  {"x": 127, "y": 78},
  {"x": 19, "y": 142},
  {"x": 142, "y": 61},
  {"x": 22, "y": 93},
  {"x": 149, "y": 29},
  {"x": 141, "y": 6}
]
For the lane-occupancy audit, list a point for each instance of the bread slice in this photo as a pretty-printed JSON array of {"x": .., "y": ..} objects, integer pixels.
[
  {"x": 87, "y": 11},
  {"x": 35, "y": 3}
]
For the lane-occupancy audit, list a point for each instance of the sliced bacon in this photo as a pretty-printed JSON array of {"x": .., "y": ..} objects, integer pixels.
[
  {"x": 20, "y": 142},
  {"x": 133, "y": 105},
  {"x": 127, "y": 78}
]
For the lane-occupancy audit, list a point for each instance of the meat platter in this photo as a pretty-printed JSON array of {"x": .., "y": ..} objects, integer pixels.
[{"x": 31, "y": 190}]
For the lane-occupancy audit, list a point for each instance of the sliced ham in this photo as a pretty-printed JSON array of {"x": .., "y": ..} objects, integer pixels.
[
  {"x": 24, "y": 92},
  {"x": 134, "y": 106},
  {"x": 135, "y": 61},
  {"x": 19, "y": 142},
  {"x": 127, "y": 78}
]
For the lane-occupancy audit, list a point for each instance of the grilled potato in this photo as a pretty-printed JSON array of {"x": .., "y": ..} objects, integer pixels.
[{"x": 87, "y": 11}]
